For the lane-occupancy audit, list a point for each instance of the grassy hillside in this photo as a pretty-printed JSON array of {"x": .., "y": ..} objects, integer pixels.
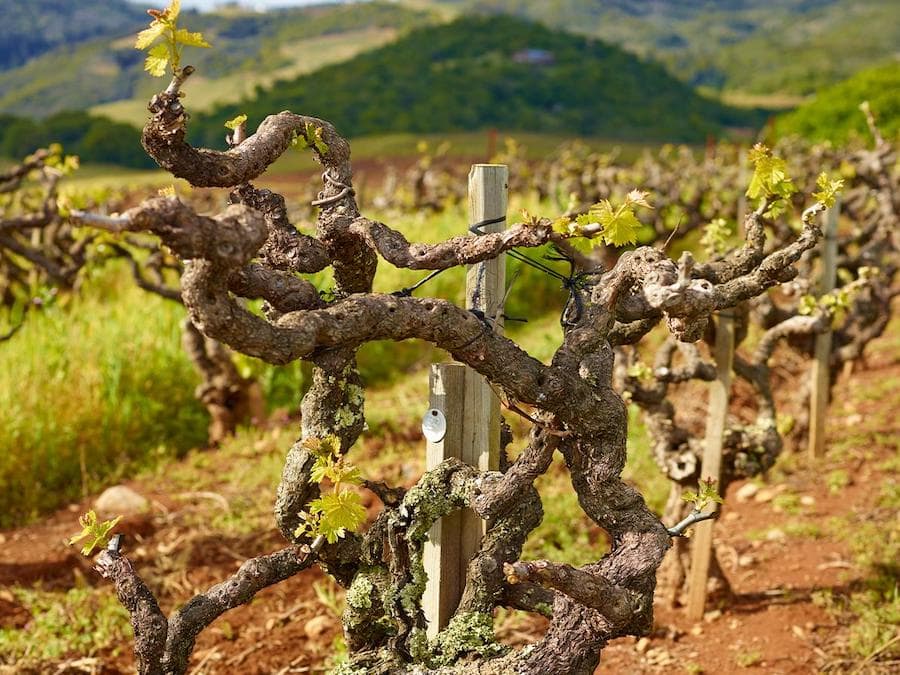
[
  {"x": 480, "y": 72},
  {"x": 748, "y": 46},
  {"x": 31, "y": 28},
  {"x": 250, "y": 49},
  {"x": 757, "y": 52},
  {"x": 834, "y": 114}
]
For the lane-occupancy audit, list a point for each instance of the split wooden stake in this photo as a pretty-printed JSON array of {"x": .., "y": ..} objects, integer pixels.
[
  {"x": 701, "y": 541},
  {"x": 471, "y": 408},
  {"x": 821, "y": 370}
]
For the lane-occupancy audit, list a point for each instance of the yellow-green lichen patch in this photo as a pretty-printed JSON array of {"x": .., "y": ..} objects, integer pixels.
[{"x": 468, "y": 633}]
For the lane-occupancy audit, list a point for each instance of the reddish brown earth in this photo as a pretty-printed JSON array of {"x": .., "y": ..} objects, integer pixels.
[{"x": 769, "y": 625}]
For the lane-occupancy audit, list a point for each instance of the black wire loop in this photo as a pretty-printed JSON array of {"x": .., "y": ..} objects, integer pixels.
[{"x": 573, "y": 282}]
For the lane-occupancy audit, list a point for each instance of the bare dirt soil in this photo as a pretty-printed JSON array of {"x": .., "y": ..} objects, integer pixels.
[{"x": 778, "y": 548}]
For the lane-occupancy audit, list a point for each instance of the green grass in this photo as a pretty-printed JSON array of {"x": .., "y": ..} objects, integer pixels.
[
  {"x": 872, "y": 609},
  {"x": 82, "y": 621},
  {"x": 834, "y": 115},
  {"x": 88, "y": 392}
]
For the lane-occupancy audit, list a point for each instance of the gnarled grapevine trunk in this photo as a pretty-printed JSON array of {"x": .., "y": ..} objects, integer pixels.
[{"x": 251, "y": 250}]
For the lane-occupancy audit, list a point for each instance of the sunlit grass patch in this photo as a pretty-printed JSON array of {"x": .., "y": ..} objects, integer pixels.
[
  {"x": 82, "y": 621},
  {"x": 90, "y": 391}
]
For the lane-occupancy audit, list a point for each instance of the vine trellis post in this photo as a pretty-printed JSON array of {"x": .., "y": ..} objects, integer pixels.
[
  {"x": 719, "y": 389},
  {"x": 821, "y": 372},
  {"x": 470, "y": 407}
]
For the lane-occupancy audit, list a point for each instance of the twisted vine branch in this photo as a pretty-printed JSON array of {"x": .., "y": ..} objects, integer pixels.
[{"x": 250, "y": 249}]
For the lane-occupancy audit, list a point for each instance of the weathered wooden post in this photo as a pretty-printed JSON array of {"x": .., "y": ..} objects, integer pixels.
[
  {"x": 485, "y": 286},
  {"x": 443, "y": 549},
  {"x": 701, "y": 541},
  {"x": 821, "y": 372},
  {"x": 470, "y": 407}
]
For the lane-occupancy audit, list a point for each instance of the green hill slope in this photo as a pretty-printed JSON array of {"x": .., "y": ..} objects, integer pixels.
[
  {"x": 30, "y": 28},
  {"x": 834, "y": 114},
  {"x": 480, "y": 72},
  {"x": 250, "y": 49},
  {"x": 748, "y": 46},
  {"x": 773, "y": 52}
]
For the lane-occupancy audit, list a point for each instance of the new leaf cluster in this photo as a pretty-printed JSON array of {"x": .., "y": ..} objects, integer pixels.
[
  {"x": 168, "y": 52},
  {"x": 333, "y": 514}
]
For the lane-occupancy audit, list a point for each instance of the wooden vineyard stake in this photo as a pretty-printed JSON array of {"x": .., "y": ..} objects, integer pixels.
[
  {"x": 701, "y": 541},
  {"x": 442, "y": 550},
  {"x": 821, "y": 371},
  {"x": 485, "y": 287},
  {"x": 470, "y": 407}
]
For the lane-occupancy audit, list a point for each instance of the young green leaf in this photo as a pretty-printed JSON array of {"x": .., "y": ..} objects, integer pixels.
[
  {"x": 706, "y": 494},
  {"x": 562, "y": 225},
  {"x": 168, "y": 52},
  {"x": 530, "y": 219},
  {"x": 715, "y": 236},
  {"x": 157, "y": 59},
  {"x": 170, "y": 14},
  {"x": 640, "y": 371},
  {"x": 95, "y": 533},
  {"x": 188, "y": 39},
  {"x": 709, "y": 491},
  {"x": 299, "y": 141},
  {"x": 308, "y": 527},
  {"x": 620, "y": 227},
  {"x": 320, "y": 470},
  {"x": 637, "y": 198},
  {"x": 323, "y": 447},
  {"x": 339, "y": 512},
  {"x": 235, "y": 122},
  {"x": 149, "y": 35},
  {"x": 770, "y": 177},
  {"x": 807, "y": 306},
  {"x": 347, "y": 474},
  {"x": 314, "y": 137},
  {"x": 828, "y": 189}
]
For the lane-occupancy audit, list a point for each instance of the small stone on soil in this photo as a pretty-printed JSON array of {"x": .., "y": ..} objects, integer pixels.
[
  {"x": 775, "y": 534},
  {"x": 316, "y": 627},
  {"x": 120, "y": 500},
  {"x": 768, "y": 494},
  {"x": 746, "y": 492},
  {"x": 745, "y": 560}
]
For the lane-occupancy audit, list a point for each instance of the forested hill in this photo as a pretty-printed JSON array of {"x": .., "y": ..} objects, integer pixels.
[
  {"x": 29, "y": 28},
  {"x": 834, "y": 115},
  {"x": 750, "y": 46},
  {"x": 480, "y": 72},
  {"x": 104, "y": 72},
  {"x": 58, "y": 54}
]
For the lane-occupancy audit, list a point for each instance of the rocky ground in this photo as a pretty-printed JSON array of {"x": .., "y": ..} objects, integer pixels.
[{"x": 811, "y": 556}]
